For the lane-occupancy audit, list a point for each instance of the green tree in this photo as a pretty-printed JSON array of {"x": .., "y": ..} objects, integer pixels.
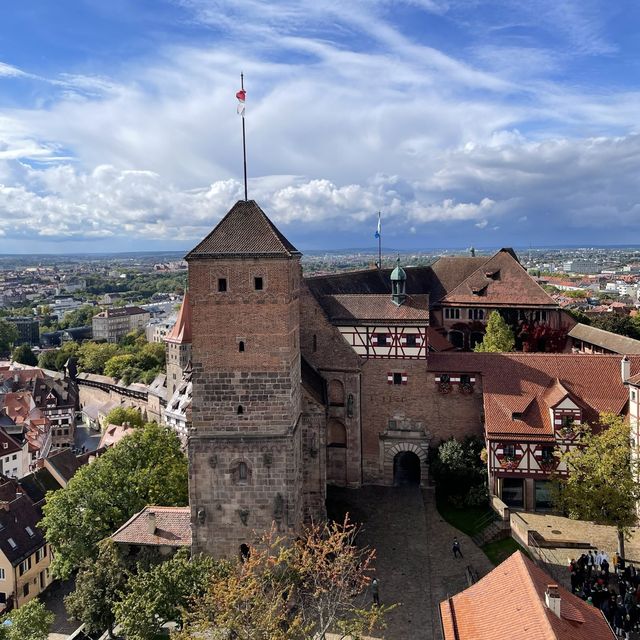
[
  {"x": 617, "y": 323},
  {"x": 24, "y": 355},
  {"x": 163, "y": 594},
  {"x": 602, "y": 484},
  {"x": 118, "y": 365},
  {"x": 498, "y": 337},
  {"x": 47, "y": 360},
  {"x": 81, "y": 317},
  {"x": 99, "y": 587},
  {"x": 31, "y": 621},
  {"x": 120, "y": 415},
  {"x": 94, "y": 355},
  {"x": 146, "y": 467},
  {"x": 8, "y": 336},
  {"x": 151, "y": 356}
]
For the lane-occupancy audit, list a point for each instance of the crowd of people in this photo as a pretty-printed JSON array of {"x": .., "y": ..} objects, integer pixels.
[{"x": 613, "y": 587}]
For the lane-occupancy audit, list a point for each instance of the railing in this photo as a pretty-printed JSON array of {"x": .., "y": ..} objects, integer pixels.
[
  {"x": 484, "y": 521},
  {"x": 545, "y": 562}
]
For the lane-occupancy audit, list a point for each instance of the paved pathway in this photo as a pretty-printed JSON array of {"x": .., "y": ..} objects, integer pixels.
[{"x": 414, "y": 562}]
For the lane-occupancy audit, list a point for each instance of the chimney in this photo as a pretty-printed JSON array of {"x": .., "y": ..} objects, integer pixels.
[
  {"x": 151, "y": 522},
  {"x": 625, "y": 368},
  {"x": 552, "y": 598}
]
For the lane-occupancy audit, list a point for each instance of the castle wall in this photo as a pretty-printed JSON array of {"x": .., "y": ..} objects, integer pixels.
[
  {"x": 415, "y": 407},
  {"x": 246, "y": 449}
]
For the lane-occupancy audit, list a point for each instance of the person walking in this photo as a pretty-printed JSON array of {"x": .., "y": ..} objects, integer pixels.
[
  {"x": 375, "y": 592},
  {"x": 456, "y": 549}
]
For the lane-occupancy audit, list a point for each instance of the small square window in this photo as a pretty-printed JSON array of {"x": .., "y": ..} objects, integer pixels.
[
  {"x": 258, "y": 284},
  {"x": 411, "y": 340},
  {"x": 222, "y": 284},
  {"x": 397, "y": 378},
  {"x": 509, "y": 451},
  {"x": 381, "y": 339}
]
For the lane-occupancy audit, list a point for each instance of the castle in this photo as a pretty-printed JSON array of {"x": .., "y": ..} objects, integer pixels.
[{"x": 302, "y": 382}]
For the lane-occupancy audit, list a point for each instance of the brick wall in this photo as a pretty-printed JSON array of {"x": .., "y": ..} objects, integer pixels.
[{"x": 246, "y": 401}]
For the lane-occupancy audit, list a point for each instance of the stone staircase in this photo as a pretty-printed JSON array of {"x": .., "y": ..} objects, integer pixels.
[{"x": 495, "y": 529}]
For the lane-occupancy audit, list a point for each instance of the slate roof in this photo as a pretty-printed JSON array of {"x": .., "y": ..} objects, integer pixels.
[
  {"x": 605, "y": 339},
  {"x": 500, "y": 281},
  {"x": 244, "y": 231},
  {"x": 172, "y": 527},
  {"x": 358, "y": 308},
  {"x": 517, "y": 588},
  {"x": 36, "y": 484},
  {"x": 15, "y": 516},
  {"x": 8, "y": 445},
  {"x": 65, "y": 463},
  {"x": 181, "y": 331},
  {"x": 532, "y": 383}
]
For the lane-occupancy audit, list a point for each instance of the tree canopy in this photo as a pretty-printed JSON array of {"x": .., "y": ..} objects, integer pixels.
[
  {"x": 31, "y": 621},
  {"x": 292, "y": 590},
  {"x": 602, "y": 485},
  {"x": 498, "y": 336},
  {"x": 120, "y": 415},
  {"x": 24, "y": 355},
  {"x": 146, "y": 467},
  {"x": 8, "y": 336}
]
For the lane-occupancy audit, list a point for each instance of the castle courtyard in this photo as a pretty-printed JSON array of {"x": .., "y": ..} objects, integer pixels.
[{"x": 414, "y": 563}]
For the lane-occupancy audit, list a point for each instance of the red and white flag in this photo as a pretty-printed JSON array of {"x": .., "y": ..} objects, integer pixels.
[{"x": 241, "y": 95}]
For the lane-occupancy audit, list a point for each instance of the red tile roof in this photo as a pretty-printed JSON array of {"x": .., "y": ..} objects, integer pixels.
[
  {"x": 181, "y": 331},
  {"x": 500, "y": 282},
  {"x": 244, "y": 231},
  {"x": 157, "y": 526},
  {"x": 113, "y": 434},
  {"x": 356, "y": 308},
  {"x": 531, "y": 383},
  {"x": 18, "y": 405},
  {"x": 635, "y": 380},
  {"x": 517, "y": 587}
]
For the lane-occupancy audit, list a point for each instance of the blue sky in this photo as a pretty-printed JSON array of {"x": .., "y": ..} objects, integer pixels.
[{"x": 466, "y": 122}]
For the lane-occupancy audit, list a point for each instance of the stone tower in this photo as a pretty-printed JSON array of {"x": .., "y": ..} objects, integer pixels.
[
  {"x": 245, "y": 446},
  {"x": 178, "y": 342}
]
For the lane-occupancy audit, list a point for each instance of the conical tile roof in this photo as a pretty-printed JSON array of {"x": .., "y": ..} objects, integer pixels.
[{"x": 181, "y": 332}]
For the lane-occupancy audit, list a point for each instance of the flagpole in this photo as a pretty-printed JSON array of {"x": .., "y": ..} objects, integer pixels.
[
  {"x": 244, "y": 143},
  {"x": 379, "y": 243}
]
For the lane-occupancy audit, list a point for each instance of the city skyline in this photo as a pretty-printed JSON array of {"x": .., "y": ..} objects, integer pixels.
[{"x": 499, "y": 125}]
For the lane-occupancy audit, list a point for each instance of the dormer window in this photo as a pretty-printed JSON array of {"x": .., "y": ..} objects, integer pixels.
[
  {"x": 30, "y": 531},
  {"x": 493, "y": 275},
  {"x": 479, "y": 291},
  {"x": 517, "y": 415},
  {"x": 567, "y": 422}
]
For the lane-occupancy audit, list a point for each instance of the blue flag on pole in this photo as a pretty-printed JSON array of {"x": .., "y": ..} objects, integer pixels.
[{"x": 378, "y": 229}]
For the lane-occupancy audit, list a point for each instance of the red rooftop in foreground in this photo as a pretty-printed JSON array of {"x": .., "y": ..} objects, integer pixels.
[{"x": 531, "y": 607}]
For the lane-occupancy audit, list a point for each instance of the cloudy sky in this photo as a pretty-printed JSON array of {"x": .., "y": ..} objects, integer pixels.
[{"x": 496, "y": 122}]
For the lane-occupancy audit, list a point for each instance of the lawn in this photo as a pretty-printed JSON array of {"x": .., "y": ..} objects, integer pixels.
[
  {"x": 499, "y": 551},
  {"x": 465, "y": 519}
]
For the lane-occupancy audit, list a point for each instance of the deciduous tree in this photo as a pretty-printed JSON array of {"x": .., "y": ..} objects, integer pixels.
[
  {"x": 293, "y": 590},
  {"x": 99, "y": 587},
  {"x": 163, "y": 593},
  {"x": 8, "y": 336},
  {"x": 24, "y": 355},
  {"x": 31, "y": 621},
  {"x": 120, "y": 415},
  {"x": 498, "y": 337},
  {"x": 602, "y": 485},
  {"x": 146, "y": 467}
]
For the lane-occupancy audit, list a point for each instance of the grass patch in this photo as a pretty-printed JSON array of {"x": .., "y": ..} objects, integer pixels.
[
  {"x": 500, "y": 550},
  {"x": 465, "y": 519}
]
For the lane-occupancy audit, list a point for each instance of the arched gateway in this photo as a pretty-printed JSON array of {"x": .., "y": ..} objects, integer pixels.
[{"x": 405, "y": 463}]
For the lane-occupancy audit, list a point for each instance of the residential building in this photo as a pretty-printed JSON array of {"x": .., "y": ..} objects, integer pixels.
[
  {"x": 532, "y": 606},
  {"x": 112, "y": 325},
  {"x": 532, "y": 406},
  {"x": 581, "y": 265},
  {"x": 28, "y": 329},
  {"x": 63, "y": 305},
  {"x": 24, "y": 553},
  {"x": 177, "y": 414},
  {"x": 178, "y": 342}
]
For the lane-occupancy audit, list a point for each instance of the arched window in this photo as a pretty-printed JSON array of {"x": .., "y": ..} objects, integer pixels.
[
  {"x": 336, "y": 393},
  {"x": 240, "y": 410},
  {"x": 241, "y": 346},
  {"x": 240, "y": 472},
  {"x": 336, "y": 434},
  {"x": 243, "y": 472},
  {"x": 245, "y": 552}
]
